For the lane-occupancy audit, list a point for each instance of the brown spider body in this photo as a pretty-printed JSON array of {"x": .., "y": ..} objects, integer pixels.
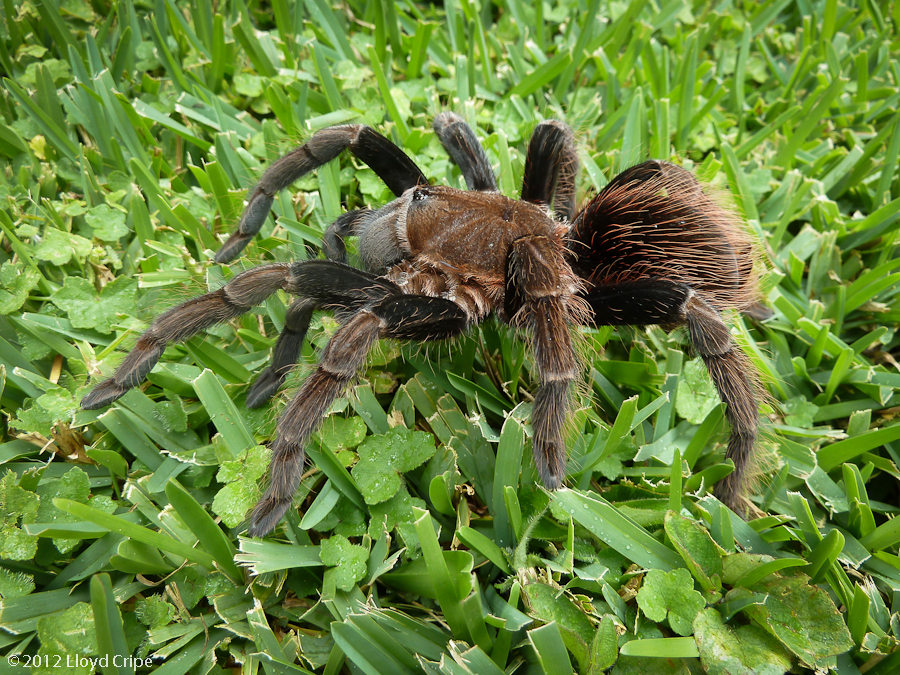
[
  {"x": 455, "y": 244},
  {"x": 650, "y": 248}
]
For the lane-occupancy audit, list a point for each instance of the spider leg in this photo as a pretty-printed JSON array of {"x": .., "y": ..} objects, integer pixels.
[
  {"x": 637, "y": 303},
  {"x": 463, "y": 147},
  {"x": 325, "y": 284},
  {"x": 660, "y": 301},
  {"x": 543, "y": 302},
  {"x": 237, "y": 297},
  {"x": 337, "y": 286},
  {"x": 550, "y": 168},
  {"x": 287, "y": 348},
  {"x": 396, "y": 316},
  {"x": 733, "y": 376},
  {"x": 340, "y": 229},
  {"x": 284, "y": 356},
  {"x": 342, "y": 357},
  {"x": 391, "y": 164}
]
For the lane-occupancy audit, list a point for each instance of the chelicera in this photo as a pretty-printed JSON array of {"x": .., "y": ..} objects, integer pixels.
[{"x": 650, "y": 248}]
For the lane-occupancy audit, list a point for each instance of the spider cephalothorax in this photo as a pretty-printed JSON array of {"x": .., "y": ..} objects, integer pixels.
[{"x": 650, "y": 248}]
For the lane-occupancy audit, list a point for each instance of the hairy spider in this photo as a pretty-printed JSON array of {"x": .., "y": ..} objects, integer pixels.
[{"x": 650, "y": 248}]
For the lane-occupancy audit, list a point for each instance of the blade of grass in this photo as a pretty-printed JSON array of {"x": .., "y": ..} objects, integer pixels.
[
  {"x": 506, "y": 475},
  {"x": 788, "y": 151},
  {"x": 418, "y": 50},
  {"x": 224, "y": 414},
  {"x": 328, "y": 463},
  {"x": 661, "y": 648},
  {"x": 108, "y": 624},
  {"x": 552, "y": 654},
  {"x": 387, "y": 96},
  {"x": 57, "y": 137},
  {"x": 261, "y": 557},
  {"x": 204, "y": 528},
  {"x": 437, "y": 568},
  {"x": 617, "y": 530},
  {"x": 474, "y": 539},
  {"x": 688, "y": 78},
  {"x": 541, "y": 75},
  {"x": 141, "y": 534}
]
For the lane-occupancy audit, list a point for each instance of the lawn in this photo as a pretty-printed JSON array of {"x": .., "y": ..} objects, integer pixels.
[{"x": 421, "y": 541}]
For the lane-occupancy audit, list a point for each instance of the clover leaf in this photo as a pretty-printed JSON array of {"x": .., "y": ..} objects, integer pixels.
[
  {"x": 396, "y": 513},
  {"x": 798, "y": 412},
  {"x": 50, "y": 407},
  {"x": 340, "y": 433},
  {"x": 15, "y": 584},
  {"x": 696, "y": 396},
  {"x": 154, "y": 612},
  {"x": 699, "y": 551},
  {"x": 89, "y": 309},
  {"x": 58, "y": 247},
  {"x": 68, "y": 635},
  {"x": 16, "y": 283},
  {"x": 76, "y": 486},
  {"x": 672, "y": 595},
  {"x": 348, "y": 561},
  {"x": 107, "y": 223},
  {"x": 383, "y": 458},
  {"x": 16, "y": 502},
  {"x": 801, "y": 616},
  {"x": 745, "y": 650},
  {"x": 242, "y": 476}
]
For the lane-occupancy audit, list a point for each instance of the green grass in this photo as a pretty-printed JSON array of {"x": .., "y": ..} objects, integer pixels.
[{"x": 129, "y": 134}]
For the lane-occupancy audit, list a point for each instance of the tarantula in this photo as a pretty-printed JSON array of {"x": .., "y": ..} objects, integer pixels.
[{"x": 650, "y": 248}]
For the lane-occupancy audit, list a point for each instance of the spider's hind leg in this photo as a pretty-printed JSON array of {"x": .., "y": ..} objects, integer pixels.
[
  {"x": 660, "y": 301},
  {"x": 391, "y": 164},
  {"x": 734, "y": 379}
]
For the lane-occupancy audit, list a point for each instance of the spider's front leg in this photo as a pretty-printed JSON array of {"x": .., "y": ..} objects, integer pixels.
[
  {"x": 466, "y": 151},
  {"x": 391, "y": 164},
  {"x": 345, "y": 226},
  {"x": 237, "y": 297},
  {"x": 550, "y": 165},
  {"x": 387, "y": 313}
]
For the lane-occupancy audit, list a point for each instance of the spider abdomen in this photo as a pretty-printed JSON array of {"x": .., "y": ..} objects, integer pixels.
[{"x": 654, "y": 221}]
